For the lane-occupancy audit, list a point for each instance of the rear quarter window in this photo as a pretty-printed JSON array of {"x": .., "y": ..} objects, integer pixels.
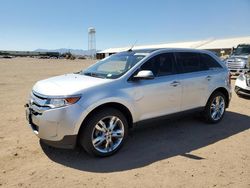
[
  {"x": 189, "y": 62},
  {"x": 209, "y": 61}
]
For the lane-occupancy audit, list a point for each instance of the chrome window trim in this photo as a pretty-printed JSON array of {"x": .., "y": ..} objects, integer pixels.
[{"x": 55, "y": 96}]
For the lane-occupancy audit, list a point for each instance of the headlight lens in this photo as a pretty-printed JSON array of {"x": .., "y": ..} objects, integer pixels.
[
  {"x": 241, "y": 77},
  {"x": 242, "y": 61},
  {"x": 56, "y": 103}
]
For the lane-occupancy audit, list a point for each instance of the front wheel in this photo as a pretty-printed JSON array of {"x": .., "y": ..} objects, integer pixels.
[
  {"x": 215, "y": 108},
  {"x": 104, "y": 132}
]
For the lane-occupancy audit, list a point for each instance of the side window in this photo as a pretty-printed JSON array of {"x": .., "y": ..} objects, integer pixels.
[
  {"x": 161, "y": 65},
  {"x": 190, "y": 62},
  {"x": 209, "y": 61}
]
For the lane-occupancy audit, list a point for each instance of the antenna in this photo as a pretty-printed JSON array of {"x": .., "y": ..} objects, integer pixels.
[{"x": 130, "y": 49}]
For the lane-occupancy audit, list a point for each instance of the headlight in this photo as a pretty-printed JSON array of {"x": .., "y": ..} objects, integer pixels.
[
  {"x": 243, "y": 61},
  {"x": 241, "y": 77},
  {"x": 60, "y": 102}
]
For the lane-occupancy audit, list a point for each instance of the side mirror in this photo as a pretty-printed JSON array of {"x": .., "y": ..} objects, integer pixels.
[{"x": 144, "y": 75}]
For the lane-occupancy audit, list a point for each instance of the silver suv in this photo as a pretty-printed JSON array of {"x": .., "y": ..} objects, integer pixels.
[{"x": 95, "y": 107}]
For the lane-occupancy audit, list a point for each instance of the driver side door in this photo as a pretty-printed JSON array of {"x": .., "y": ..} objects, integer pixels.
[{"x": 162, "y": 95}]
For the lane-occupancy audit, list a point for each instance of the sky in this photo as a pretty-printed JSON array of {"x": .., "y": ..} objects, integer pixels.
[{"x": 53, "y": 24}]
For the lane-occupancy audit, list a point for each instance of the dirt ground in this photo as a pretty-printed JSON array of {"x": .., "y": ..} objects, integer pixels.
[{"x": 184, "y": 152}]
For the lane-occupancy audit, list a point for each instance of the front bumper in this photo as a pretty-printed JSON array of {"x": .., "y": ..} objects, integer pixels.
[
  {"x": 68, "y": 142},
  {"x": 55, "y": 127},
  {"x": 241, "y": 91}
]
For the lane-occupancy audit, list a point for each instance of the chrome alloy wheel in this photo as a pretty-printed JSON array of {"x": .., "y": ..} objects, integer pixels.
[
  {"x": 217, "y": 108},
  {"x": 108, "y": 134}
]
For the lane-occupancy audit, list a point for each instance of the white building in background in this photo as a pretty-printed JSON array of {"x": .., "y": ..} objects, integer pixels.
[{"x": 219, "y": 46}]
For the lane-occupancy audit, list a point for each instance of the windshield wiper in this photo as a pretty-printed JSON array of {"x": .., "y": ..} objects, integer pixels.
[
  {"x": 93, "y": 74},
  {"x": 78, "y": 72}
]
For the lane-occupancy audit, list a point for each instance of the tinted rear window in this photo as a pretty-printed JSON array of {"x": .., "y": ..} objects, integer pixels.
[
  {"x": 209, "y": 61},
  {"x": 189, "y": 62}
]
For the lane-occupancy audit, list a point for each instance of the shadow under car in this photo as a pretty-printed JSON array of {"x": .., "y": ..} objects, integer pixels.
[{"x": 153, "y": 142}]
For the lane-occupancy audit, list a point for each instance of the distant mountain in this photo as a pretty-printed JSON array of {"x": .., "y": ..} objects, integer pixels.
[{"x": 64, "y": 50}]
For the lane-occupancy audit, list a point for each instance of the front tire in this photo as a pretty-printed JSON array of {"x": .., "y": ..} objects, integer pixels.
[
  {"x": 215, "y": 108},
  {"x": 104, "y": 132}
]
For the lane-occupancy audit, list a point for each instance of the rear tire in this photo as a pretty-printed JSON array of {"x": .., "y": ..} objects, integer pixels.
[
  {"x": 104, "y": 132},
  {"x": 215, "y": 108}
]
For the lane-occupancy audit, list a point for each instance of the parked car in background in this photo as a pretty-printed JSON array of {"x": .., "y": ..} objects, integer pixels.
[
  {"x": 239, "y": 61},
  {"x": 242, "y": 84},
  {"x": 96, "y": 106}
]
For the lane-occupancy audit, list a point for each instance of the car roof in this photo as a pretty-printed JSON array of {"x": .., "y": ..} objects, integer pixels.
[
  {"x": 151, "y": 50},
  {"x": 147, "y": 51}
]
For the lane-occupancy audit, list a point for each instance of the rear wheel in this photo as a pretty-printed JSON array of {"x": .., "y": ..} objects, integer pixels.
[
  {"x": 104, "y": 132},
  {"x": 215, "y": 108}
]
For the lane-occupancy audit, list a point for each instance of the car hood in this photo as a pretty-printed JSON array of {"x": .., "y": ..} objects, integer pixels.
[{"x": 68, "y": 84}]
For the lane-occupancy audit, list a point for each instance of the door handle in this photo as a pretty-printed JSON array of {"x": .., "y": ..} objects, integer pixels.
[
  {"x": 208, "y": 78},
  {"x": 175, "y": 83}
]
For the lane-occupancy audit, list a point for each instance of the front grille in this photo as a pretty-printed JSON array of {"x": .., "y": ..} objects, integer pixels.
[
  {"x": 37, "y": 104},
  {"x": 37, "y": 100},
  {"x": 235, "y": 65}
]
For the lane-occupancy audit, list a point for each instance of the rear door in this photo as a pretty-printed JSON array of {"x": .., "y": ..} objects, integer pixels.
[
  {"x": 215, "y": 78},
  {"x": 194, "y": 78}
]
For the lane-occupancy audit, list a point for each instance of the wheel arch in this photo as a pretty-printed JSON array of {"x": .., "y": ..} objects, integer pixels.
[
  {"x": 116, "y": 105},
  {"x": 224, "y": 92}
]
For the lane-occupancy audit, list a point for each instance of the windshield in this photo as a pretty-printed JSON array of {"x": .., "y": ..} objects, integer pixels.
[
  {"x": 114, "y": 66},
  {"x": 242, "y": 49}
]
